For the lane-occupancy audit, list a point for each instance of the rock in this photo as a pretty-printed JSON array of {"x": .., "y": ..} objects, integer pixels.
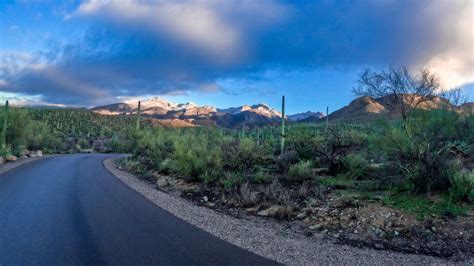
[
  {"x": 11, "y": 158},
  {"x": 32, "y": 155},
  {"x": 301, "y": 215},
  {"x": 24, "y": 157},
  {"x": 377, "y": 231},
  {"x": 39, "y": 153},
  {"x": 315, "y": 227},
  {"x": 252, "y": 210},
  {"x": 2, "y": 160},
  {"x": 272, "y": 211},
  {"x": 160, "y": 182},
  {"x": 205, "y": 199},
  {"x": 100, "y": 145},
  {"x": 312, "y": 202}
]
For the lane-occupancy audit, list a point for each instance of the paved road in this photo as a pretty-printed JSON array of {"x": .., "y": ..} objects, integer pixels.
[{"x": 71, "y": 210}]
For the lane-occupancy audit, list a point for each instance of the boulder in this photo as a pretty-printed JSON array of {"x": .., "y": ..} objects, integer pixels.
[
  {"x": 316, "y": 227},
  {"x": 100, "y": 145},
  {"x": 39, "y": 153},
  {"x": 2, "y": 160},
  {"x": 272, "y": 211},
  {"x": 11, "y": 158}
]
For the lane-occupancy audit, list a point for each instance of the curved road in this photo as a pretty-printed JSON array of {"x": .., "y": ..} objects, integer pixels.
[{"x": 71, "y": 210}]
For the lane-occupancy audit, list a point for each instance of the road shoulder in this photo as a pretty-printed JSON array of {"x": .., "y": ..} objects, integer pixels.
[
  {"x": 12, "y": 165},
  {"x": 266, "y": 238}
]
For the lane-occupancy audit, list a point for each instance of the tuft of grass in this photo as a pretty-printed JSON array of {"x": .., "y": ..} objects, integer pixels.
[
  {"x": 423, "y": 207},
  {"x": 336, "y": 181},
  {"x": 261, "y": 177},
  {"x": 300, "y": 171}
]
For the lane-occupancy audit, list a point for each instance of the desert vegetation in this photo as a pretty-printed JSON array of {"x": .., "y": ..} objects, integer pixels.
[{"x": 399, "y": 179}]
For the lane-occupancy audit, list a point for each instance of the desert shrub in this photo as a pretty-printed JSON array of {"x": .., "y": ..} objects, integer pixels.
[
  {"x": 242, "y": 155},
  {"x": 195, "y": 157},
  {"x": 306, "y": 189},
  {"x": 337, "y": 141},
  {"x": 152, "y": 147},
  {"x": 248, "y": 196},
  {"x": 132, "y": 165},
  {"x": 427, "y": 150},
  {"x": 84, "y": 143},
  {"x": 5, "y": 151},
  {"x": 462, "y": 187},
  {"x": 25, "y": 133},
  {"x": 284, "y": 161},
  {"x": 305, "y": 144},
  {"x": 300, "y": 171},
  {"x": 18, "y": 128},
  {"x": 261, "y": 177},
  {"x": 230, "y": 180},
  {"x": 275, "y": 193},
  {"x": 355, "y": 166}
]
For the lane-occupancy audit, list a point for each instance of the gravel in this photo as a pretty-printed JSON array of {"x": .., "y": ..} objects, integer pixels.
[{"x": 267, "y": 237}]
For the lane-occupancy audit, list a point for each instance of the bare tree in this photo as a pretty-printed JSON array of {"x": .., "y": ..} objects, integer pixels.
[
  {"x": 455, "y": 97},
  {"x": 403, "y": 91}
]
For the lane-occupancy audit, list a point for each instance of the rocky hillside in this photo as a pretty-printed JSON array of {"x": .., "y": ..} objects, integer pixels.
[
  {"x": 305, "y": 116},
  {"x": 366, "y": 108},
  {"x": 189, "y": 114}
]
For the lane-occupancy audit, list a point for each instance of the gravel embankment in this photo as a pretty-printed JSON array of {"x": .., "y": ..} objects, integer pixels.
[
  {"x": 266, "y": 237},
  {"x": 12, "y": 165}
]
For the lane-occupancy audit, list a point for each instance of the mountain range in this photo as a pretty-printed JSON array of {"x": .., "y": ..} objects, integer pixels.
[
  {"x": 193, "y": 114},
  {"x": 190, "y": 114}
]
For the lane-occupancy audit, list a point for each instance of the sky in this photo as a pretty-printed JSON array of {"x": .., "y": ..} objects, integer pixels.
[{"x": 225, "y": 53}]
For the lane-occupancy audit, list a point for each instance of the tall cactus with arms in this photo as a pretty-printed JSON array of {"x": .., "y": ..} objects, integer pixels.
[
  {"x": 282, "y": 140},
  {"x": 4, "y": 128},
  {"x": 138, "y": 116}
]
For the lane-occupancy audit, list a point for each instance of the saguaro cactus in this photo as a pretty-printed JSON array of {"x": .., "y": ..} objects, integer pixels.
[
  {"x": 138, "y": 116},
  {"x": 327, "y": 116},
  {"x": 4, "y": 128},
  {"x": 282, "y": 139}
]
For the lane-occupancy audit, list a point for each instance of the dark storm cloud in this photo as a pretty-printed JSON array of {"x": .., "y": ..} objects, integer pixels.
[{"x": 162, "y": 47}]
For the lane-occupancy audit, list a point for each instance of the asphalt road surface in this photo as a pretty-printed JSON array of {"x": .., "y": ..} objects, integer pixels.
[{"x": 69, "y": 210}]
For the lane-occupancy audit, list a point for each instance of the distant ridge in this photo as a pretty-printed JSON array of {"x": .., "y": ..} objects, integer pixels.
[
  {"x": 190, "y": 114},
  {"x": 367, "y": 108},
  {"x": 160, "y": 108}
]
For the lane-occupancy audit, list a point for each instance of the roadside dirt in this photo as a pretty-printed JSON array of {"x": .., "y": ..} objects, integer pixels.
[
  {"x": 339, "y": 218},
  {"x": 280, "y": 240}
]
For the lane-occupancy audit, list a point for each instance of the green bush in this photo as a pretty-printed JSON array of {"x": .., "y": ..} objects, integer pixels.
[
  {"x": 355, "y": 166},
  {"x": 242, "y": 155},
  {"x": 230, "y": 180},
  {"x": 195, "y": 157},
  {"x": 261, "y": 177},
  {"x": 428, "y": 149},
  {"x": 285, "y": 160},
  {"x": 336, "y": 143},
  {"x": 462, "y": 187},
  {"x": 300, "y": 171}
]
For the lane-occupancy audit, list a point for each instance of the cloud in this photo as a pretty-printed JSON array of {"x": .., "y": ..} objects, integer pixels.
[{"x": 144, "y": 47}]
